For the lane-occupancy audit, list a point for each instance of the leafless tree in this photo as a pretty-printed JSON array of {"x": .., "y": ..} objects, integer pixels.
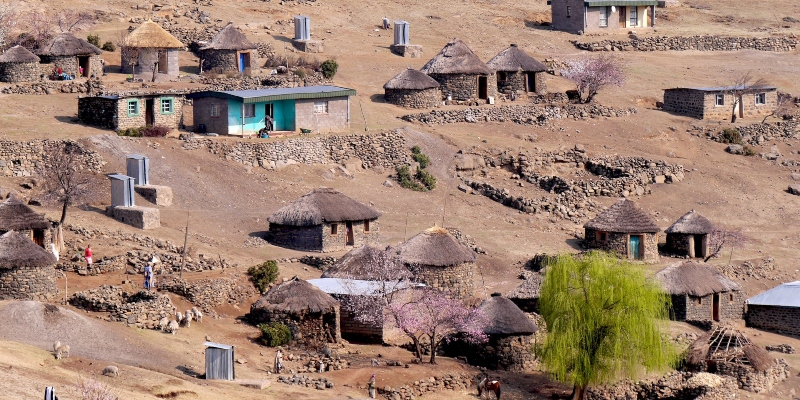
[
  {"x": 744, "y": 85},
  {"x": 719, "y": 239},
  {"x": 782, "y": 107},
  {"x": 592, "y": 73},
  {"x": 9, "y": 19},
  {"x": 64, "y": 180},
  {"x": 70, "y": 20}
]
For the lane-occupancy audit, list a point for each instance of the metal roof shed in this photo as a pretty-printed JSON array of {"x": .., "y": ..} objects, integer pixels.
[
  {"x": 219, "y": 361},
  {"x": 138, "y": 167},
  {"x": 121, "y": 190},
  {"x": 786, "y": 295}
]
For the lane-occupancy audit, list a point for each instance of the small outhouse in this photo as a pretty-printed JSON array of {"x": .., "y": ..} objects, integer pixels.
[{"x": 219, "y": 361}]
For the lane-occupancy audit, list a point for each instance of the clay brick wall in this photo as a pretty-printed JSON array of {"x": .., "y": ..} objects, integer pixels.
[{"x": 784, "y": 320}]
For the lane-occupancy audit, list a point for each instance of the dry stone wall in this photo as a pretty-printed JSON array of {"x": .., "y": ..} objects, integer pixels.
[
  {"x": 456, "y": 279},
  {"x": 527, "y": 114},
  {"x": 701, "y": 43},
  {"x": 209, "y": 293},
  {"x": 752, "y": 380},
  {"x": 674, "y": 386},
  {"x": 19, "y": 72},
  {"x": 18, "y": 158},
  {"x": 423, "y": 98},
  {"x": 28, "y": 283},
  {"x": 90, "y": 86},
  {"x": 453, "y": 382},
  {"x": 142, "y": 309}
]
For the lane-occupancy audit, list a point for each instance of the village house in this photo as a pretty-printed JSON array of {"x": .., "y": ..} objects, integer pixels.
[
  {"x": 229, "y": 51},
  {"x": 18, "y": 64},
  {"x": 626, "y": 230},
  {"x": 26, "y": 270},
  {"x": 244, "y": 112},
  {"x": 700, "y": 293},
  {"x": 119, "y": 112},
  {"x": 362, "y": 262},
  {"x": 17, "y": 216},
  {"x": 461, "y": 74},
  {"x": 518, "y": 72},
  {"x": 717, "y": 103},
  {"x": 151, "y": 51},
  {"x": 777, "y": 309},
  {"x": 688, "y": 236},
  {"x": 74, "y": 56},
  {"x": 591, "y": 16},
  {"x": 311, "y": 315},
  {"x": 412, "y": 89},
  {"x": 526, "y": 295},
  {"x": 324, "y": 220}
]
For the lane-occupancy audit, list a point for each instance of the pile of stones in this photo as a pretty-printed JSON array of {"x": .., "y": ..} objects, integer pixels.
[
  {"x": 458, "y": 382},
  {"x": 321, "y": 383},
  {"x": 142, "y": 309},
  {"x": 674, "y": 386},
  {"x": 528, "y": 114},
  {"x": 466, "y": 240},
  {"x": 758, "y": 134},
  {"x": 209, "y": 293},
  {"x": 321, "y": 263},
  {"x": 91, "y": 86},
  {"x": 781, "y": 348},
  {"x": 701, "y": 43},
  {"x": 749, "y": 270},
  {"x": 18, "y": 158},
  {"x": 312, "y": 364}
]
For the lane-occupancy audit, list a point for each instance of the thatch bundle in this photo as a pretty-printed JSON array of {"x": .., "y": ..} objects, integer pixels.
[
  {"x": 695, "y": 278},
  {"x": 411, "y": 79},
  {"x": 456, "y": 58},
  {"x": 436, "y": 247},
  {"x": 229, "y": 38},
  {"x": 691, "y": 223},
  {"x": 624, "y": 216},
  {"x": 513, "y": 59},
  {"x": 18, "y": 54},
  {"x": 66, "y": 44},
  {"x": 151, "y": 35},
  {"x": 726, "y": 344},
  {"x": 505, "y": 318},
  {"x": 360, "y": 264},
  {"x": 16, "y": 215},
  {"x": 295, "y": 296},
  {"x": 322, "y": 205},
  {"x": 19, "y": 251}
]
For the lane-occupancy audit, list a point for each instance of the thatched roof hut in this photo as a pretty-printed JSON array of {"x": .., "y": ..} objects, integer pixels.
[
  {"x": 624, "y": 216},
  {"x": 359, "y": 264},
  {"x": 691, "y": 223},
  {"x": 435, "y": 247},
  {"x": 322, "y": 205},
  {"x": 16, "y": 215},
  {"x": 456, "y": 58},
  {"x": 295, "y": 296},
  {"x": 19, "y": 251},
  {"x": 695, "y": 278},
  {"x": 17, "y": 64},
  {"x": 514, "y": 59},
  {"x": 411, "y": 79},
  {"x": 725, "y": 344},
  {"x": 505, "y": 318},
  {"x": 151, "y": 35},
  {"x": 18, "y": 54},
  {"x": 229, "y": 38},
  {"x": 67, "y": 45},
  {"x": 412, "y": 89}
]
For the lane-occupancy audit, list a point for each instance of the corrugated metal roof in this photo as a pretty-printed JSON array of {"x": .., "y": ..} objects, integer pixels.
[
  {"x": 600, "y": 3},
  {"x": 720, "y": 88},
  {"x": 263, "y": 95},
  {"x": 119, "y": 176},
  {"x": 135, "y": 156},
  {"x": 786, "y": 295},
  {"x": 355, "y": 286},
  {"x": 217, "y": 345}
]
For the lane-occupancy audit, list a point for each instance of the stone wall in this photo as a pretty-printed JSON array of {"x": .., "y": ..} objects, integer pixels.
[
  {"x": 28, "y": 283},
  {"x": 209, "y": 293},
  {"x": 527, "y": 114},
  {"x": 201, "y": 109},
  {"x": 307, "y": 238},
  {"x": 19, "y": 158},
  {"x": 89, "y": 86},
  {"x": 700, "y": 309},
  {"x": 687, "y": 102},
  {"x": 674, "y": 386},
  {"x": 226, "y": 60},
  {"x": 337, "y": 118},
  {"x": 456, "y": 279},
  {"x": 700, "y": 43},
  {"x": 331, "y": 242},
  {"x": 618, "y": 243},
  {"x": 755, "y": 381},
  {"x": 459, "y": 383},
  {"x": 98, "y": 111},
  {"x": 354, "y": 330},
  {"x": 784, "y": 320},
  {"x": 69, "y": 65},
  {"x": 142, "y": 309},
  {"x": 308, "y": 329},
  {"x": 569, "y": 21},
  {"x": 501, "y": 352},
  {"x": 517, "y": 81},
  {"x": 145, "y": 58},
  {"x": 136, "y": 216},
  {"x": 170, "y": 120},
  {"x": 19, "y": 72},
  {"x": 464, "y": 87},
  {"x": 424, "y": 98},
  {"x": 684, "y": 244}
]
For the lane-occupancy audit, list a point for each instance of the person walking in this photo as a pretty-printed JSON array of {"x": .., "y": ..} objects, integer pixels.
[
  {"x": 87, "y": 253},
  {"x": 278, "y": 361},
  {"x": 371, "y": 387},
  {"x": 148, "y": 277}
]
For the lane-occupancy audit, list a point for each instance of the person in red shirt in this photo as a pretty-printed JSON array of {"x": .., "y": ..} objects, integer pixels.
[{"x": 88, "y": 255}]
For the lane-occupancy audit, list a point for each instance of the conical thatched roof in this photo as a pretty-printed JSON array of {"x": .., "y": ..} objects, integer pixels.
[
  {"x": 359, "y": 263},
  {"x": 695, "y": 278},
  {"x": 295, "y": 296},
  {"x": 434, "y": 246},
  {"x": 66, "y": 44},
  {"x": 18, "y": 54},
  {"x": 16, "y": 215},
  {"x": 19, "y": 251},
  {"x": 691, "y": 223},
  {"x": 624, "y": 216},
  {"x": 513, "y": 59},
  {"x": 411, "y": 79},
  {"x": 322, "y": 205},
  {"x": 229, "y": 38},
  {"x": 456, "y": 58},
  {"x": 150, "y": 34},
  {"x": 505, "y": 318},
  {"x": 529, "y": 289},
  {"x": 725, "y": 344}
]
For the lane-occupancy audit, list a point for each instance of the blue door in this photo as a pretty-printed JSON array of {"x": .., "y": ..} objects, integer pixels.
[
  {"x": 634, "y": 250},
  {"x": 241, "y": 62}
]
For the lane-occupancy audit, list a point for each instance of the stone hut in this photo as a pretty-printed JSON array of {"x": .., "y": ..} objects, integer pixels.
[
  {"x": 626, "y": 230},
  {"x": 17, "y": 64},
  {"x": 700, "y": 293},
  {"x": 324, "y": 220},
  {"x": 27, "y": 271},
  {"x": 412, "y": 89},
  {"x": 688, "y": 236},
  {"x": 727, "y": 351},
  {"x": 152, "y": 51},
  {"x": 461, "y": 74},
  {"x": 517, "y": 71},
  {"x": 439, "y": 260},
  {"x": 17, "y": 216},
  {"x": 72, "y": 55},
  {"x": 526, "y": 295},
  {"x": 716, "y": 103},
  {"x": 229, "y": 50},
  {"x": 777, "y": 309},
  {"x": 311, "y": 314},
  {"x": 368, "y": 263},
  {"x": 510, "y": 333},
  {"x": 119, "y": 112}
]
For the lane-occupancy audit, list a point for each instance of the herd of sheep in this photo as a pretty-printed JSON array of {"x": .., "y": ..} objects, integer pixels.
[
  {"x": 62, "y": 350},
  {"x": 181, "y": 320}
]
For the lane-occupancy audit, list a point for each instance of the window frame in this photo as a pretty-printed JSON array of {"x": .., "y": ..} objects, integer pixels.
[
  {"x": 633, "y": 16},
  {"x": 168, "y": 100},
  {"x": 761, "y": 98},
  {"x": 323, "y": 104},
  {"x": 604, "y": 12},
  {"x": 719, "y": 100},
  {"x": 334, "y": 229},
  {"x": 246, "y": 107},
  {"x": 135, "y": 103},
  {"x": 214, "y": 111},
  {"x": 366, "y": 226}
]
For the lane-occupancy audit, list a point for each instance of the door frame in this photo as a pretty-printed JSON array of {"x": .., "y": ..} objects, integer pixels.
[
  {"x": 483, "y": 87},
  {"x": 715, "y": 307},
  {"x": 350, "y": 239},
  {"x": 640, "y": 250},
  {"x": 530, "y": 82},
  {"x": 149, "y": 112},
  {"x": 623, "y": 16}
]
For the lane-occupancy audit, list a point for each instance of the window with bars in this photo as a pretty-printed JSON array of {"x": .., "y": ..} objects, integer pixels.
[
  {"x": 604, "y": 11},
  {"x": 761, "y": 99},
  {"x": 320, "y": 107},
  {"x": 214, "y": 111},
  {"x": 249, "y": 110},
  {"x": 634, "y": 14}
]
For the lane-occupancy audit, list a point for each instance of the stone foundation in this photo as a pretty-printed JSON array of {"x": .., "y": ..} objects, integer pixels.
[
  {"x": 138, "y": 217},
  {"x": 158, "y": 195},
  {"x": 407, "y": 50},
  {"x": 308, "y": 46},
  {"x": 37, "y": 283}
]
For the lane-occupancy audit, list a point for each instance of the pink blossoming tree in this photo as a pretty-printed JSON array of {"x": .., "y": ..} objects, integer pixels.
[{"x": 590, "y": 74}]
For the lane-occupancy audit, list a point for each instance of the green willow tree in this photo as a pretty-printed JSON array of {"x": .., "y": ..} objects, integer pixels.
[{"x": 604, "y": 321}]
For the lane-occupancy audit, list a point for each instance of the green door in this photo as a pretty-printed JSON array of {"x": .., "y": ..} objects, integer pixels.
[{"x": 634, "y": 250}]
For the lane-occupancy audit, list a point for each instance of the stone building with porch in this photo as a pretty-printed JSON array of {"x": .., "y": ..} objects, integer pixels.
[
  {"x": 18, "y": 64},
  {"x": 717, "y": 103},
  {"x": 461, "y": 74},
  {"x": 152, "y": 52},
  {"x": 17, "y": 216},
  {"x": 229, "y": 51},
  {"x": 626, "y": 230},
  {"x": 594, "y": 16},
  {"x": 119, "y": 112},
  {"x": 72, "y": 55},
  {"x": 688, "y": 236},
  {"x": 27, "y": 271},
  {"x": 777, "y": 309},
  {"x": 324, "y": 220},
  {"x": 412, "y": 89},
  {"x": 518, "y": 72},
  {"x": 700, "y": 293}
]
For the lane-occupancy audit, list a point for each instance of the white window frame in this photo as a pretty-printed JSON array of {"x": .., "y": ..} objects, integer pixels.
[
  {"x": 604, "y": 11},
  {"x": 249, "y": 107},
  {"x": 321, "y": 107},
  {"x": 719, "y": 100},
  {"x": 633, "y": 16},
  {"x": 215, "y": 111},
  {"x": 761, "y": 99}
]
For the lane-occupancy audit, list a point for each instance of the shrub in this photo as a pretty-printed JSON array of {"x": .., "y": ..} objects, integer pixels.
[
  {"x": 422, "y": 159},
  {"x": 263, "y": 275},
  {"x": 94, "y": 40},
  {"x": 425, "y": 177},
  {"x": 155, "y": 131},
  {"x": 416, "y": 150},
  {"x": 275, "y": 334},
  {"x": 406, "y": 180},
  {"x": 90, "y": 389},
  {"x": 300, "y": 73},
  {"x": 132, "y": 132},
  {"x": 329, "y": 68},
  {"x": 748, "y": 151},
  {"x": 731, "y": 136},
  {"x": 108, "y": 46}
]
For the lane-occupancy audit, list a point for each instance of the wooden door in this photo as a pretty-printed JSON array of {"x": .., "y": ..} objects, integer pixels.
[
  {"x": 350, "y": 236},
  {"x": 483, "y": 87},
  {"x": 149, "y": 112},
  {"x": 715, "y": 307},
  {"x": 623, "y": 15},
  {"x": 649, "y": 11},
  {"x": 162, "y": 62}
]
